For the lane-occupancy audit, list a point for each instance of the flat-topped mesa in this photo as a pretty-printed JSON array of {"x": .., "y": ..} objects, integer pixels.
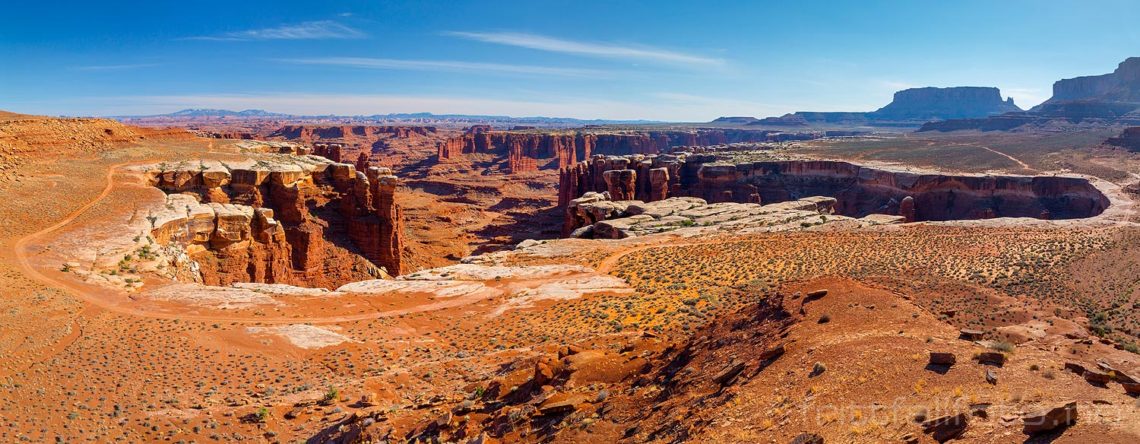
[
  {"x": 300, "y": 220},
  {"x": 945, "y": 103},
  {"x": 859, "y": 190},
  {"x": 529, "y": 151}
]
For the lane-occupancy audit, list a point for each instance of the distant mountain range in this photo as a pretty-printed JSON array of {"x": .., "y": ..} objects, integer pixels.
[
  {"x": 211, "y": 112},
  {"x": 256, "y": 114}
]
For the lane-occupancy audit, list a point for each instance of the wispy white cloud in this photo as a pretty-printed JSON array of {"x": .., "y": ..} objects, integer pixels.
[
  {"x": 593, "y": 49},
  {"x": 314, "y": 30},
  {"x": 113, "y": 67},
  {"x": 443, "y": 65}
]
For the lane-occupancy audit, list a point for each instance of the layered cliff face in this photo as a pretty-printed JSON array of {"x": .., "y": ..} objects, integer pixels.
[
  {"x": 347, "y": 143},
  {"x": 859, "y": 191},
  {"x": 523, "y": 151},
  {"x": 945, "y": 103},
  {"x": 300, "y": 220},
  {"x": 527, "y": 151},
  {"x": 936, "y": 197},
  {"x": 1122, "y": 85}
]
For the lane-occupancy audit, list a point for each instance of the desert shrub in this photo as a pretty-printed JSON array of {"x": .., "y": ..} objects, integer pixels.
[
  {"x": 330, "y": 396},
  {"x": 1004, "y": 346}
]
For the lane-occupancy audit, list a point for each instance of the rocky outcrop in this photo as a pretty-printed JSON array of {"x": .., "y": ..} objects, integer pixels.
[
  {"x": 595, "y": 216},
  {"x": 301, "y": 220},
  {"x": 906, "y": 209},
  {"x": 1049, "y": 420},
  {"x": 523, "y": 151},
  {"x": 860, "y": 191},
  {"x": 1129, "y": 139},
  {"x": 363, "y": 134},
  {"x": 944, "y": 103},
  {"x": 621, "y": 184}
]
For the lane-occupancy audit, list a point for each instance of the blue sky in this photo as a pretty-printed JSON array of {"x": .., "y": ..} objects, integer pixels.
[{"x": 685, "y": 61}]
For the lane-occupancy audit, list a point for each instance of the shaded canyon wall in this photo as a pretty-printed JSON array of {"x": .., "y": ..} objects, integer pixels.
[{"x": 859, "y": 190}]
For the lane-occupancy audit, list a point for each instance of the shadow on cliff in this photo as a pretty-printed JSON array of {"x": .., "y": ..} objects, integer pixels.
[{"x": 525, "y": 219}]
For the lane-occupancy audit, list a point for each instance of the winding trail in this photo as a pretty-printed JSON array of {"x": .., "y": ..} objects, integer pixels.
[{"x": 1007, "y": 156}]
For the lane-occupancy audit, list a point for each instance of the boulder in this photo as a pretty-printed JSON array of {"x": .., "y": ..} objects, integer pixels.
[
  {"x": 1075, "y": 368},
  {"x": 807, "y": 438},
  {"x": 1097, "y": 378},
  {"x": 618, "y": 228},
  {"x": 1117, "y": 374},
  {"x": 971, "y": 334},
  {"x": 561, "y": 403},
  {"x": 906, "y": 209},
  {"x": 1050, "y": 419},
  {"x": 947, "y": 427},
  {"x": 939, "y": 358},
  {"x": 991, "y": 358}
]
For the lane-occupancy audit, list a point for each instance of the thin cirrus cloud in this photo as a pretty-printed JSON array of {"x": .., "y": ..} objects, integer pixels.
[
  {"x": 443, "y": 65},
  {"x": 314, "y": 30},
  {"x": 593, "y": 49}
]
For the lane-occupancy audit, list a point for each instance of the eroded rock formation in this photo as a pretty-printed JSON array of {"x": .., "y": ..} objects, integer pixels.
[
  {"x": 859, "y": 190},
  {"x": 528, "y": 151},
  {"x": 363, "y": 134},
  {"x": 1129, "y": 139},
  {"x": 596, "y": 216},
  {"x": 301, "y": 220}
]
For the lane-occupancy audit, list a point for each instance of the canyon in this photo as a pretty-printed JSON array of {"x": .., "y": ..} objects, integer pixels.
[
  {"x": 859, "y": 190},
  {"x": 538, "y": 285},
  {"x": 289, "y": 219},
  {"x": 529, "y": 151}
]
